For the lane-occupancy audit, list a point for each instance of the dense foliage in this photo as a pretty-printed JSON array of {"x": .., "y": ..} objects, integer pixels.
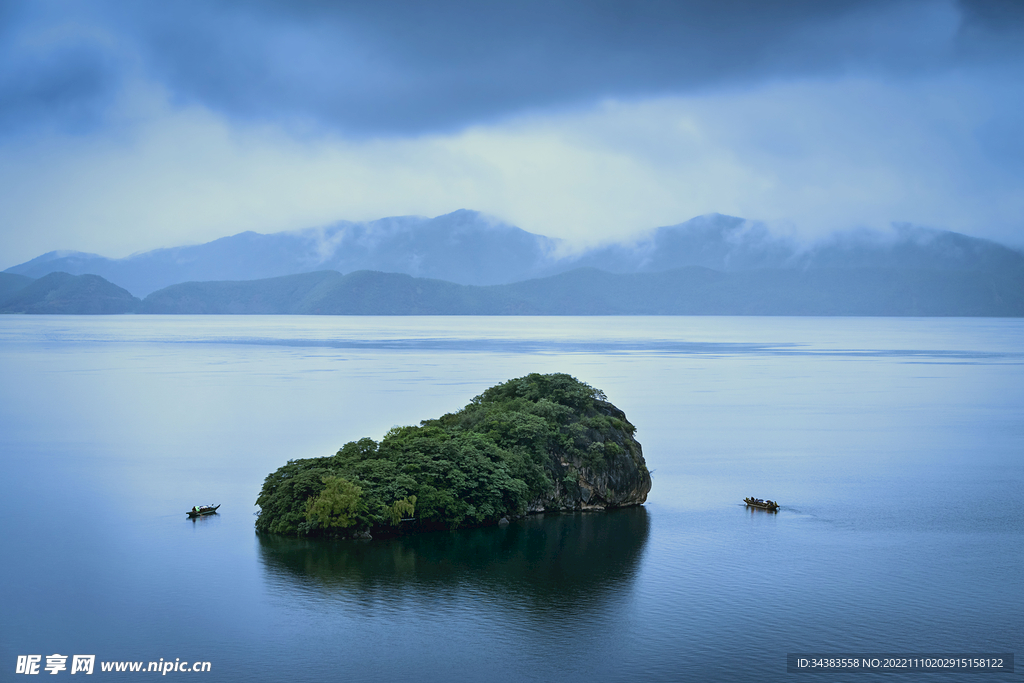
[{"x": 472, "y": 467}]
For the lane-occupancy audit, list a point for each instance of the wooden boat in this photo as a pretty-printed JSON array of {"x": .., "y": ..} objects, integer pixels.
[
  {"x": 201, "y": 510},
  {"x": 769, "y": 505}
]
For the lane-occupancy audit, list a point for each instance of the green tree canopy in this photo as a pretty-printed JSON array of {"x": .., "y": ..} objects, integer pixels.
[{"x": 508, "y": 447}]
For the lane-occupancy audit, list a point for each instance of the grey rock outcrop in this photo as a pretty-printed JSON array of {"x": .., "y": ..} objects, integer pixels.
[{"x": 609, "y": 473}]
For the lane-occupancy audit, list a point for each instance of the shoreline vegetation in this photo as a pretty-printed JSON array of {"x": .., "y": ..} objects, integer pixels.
[{"x": 540, "y": 443}]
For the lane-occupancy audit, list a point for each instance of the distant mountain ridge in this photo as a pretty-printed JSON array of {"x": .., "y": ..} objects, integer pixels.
[
  {"x": 731, "y": 244},
  {"x": 468, "y": 248},
  {"x": 463, "y": 246}
]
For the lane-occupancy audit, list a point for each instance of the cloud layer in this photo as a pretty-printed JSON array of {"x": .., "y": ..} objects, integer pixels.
[{"x": 131, "y": 126}]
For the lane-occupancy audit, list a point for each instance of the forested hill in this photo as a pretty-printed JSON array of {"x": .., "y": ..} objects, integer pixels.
[
  {"x": 331, "y": 293},
  {"x": 64, "y": 293},
  {"x": 11, "y": 283},
  {"x": 585, "y": 291}
]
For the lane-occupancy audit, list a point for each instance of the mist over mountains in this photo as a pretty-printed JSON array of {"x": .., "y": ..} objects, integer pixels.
[
  {"x": 466, "y": 247},
  {"x": 468, "y": 263}
]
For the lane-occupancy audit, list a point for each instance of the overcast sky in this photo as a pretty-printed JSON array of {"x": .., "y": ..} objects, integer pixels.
[{"x": 126, "y": 126}]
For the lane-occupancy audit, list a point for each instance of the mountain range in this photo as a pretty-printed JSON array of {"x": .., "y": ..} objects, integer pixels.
[
  {"x": 467, "y": 263},
  {"x": 465, "y": 247}
]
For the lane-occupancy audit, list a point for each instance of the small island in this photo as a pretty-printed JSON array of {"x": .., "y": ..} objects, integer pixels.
[{"x": 540, "y": 443}]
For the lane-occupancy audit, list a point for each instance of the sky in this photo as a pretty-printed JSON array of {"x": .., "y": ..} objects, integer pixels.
[{"x": 127, "y": 126}]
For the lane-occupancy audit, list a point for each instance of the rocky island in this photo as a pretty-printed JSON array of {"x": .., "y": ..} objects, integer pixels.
[{"x": 540, "y": 443}]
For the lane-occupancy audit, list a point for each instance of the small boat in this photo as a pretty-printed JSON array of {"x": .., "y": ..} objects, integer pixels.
[
  {"x": 201, "y": 510},
  {"x": 769, "y": 505}
]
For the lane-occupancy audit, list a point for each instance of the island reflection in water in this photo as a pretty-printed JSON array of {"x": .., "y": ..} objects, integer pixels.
[{"x": 541, "y": 563}]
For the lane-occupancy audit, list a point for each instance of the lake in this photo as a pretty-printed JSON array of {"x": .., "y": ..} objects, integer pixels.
[{"x": 895, "y": 447}]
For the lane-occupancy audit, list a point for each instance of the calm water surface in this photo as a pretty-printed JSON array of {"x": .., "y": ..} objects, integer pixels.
[{"x": 896, "y": 447}]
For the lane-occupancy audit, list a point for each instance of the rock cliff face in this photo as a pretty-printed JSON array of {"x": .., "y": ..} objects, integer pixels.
[{"x": 620, "y": 478}]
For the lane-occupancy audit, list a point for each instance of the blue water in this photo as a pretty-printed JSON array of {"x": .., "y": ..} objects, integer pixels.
[{"x": 895, "y": 446}]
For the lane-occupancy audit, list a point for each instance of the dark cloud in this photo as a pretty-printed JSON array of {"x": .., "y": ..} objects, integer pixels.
[
  {"x": 72, "y": 88},
  {"x": 52, "y": 72},
  {"x": 408, "y": 67},
  {"x": 998, "y": 17},
  {"x": 992, "y": 30}
]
